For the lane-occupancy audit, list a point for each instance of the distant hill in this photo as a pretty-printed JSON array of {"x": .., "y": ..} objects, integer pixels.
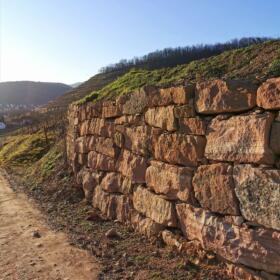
[
  {"x": 75, "y": 84},
  {"x": 27, "y": 93}
]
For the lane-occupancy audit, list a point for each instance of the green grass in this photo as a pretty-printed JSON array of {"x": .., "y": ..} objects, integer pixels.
[
  {"x": 34, "y": 158},
  {"x": 274, "y": 68},
  {"x": 255, "y": 62},
  {"x": 24, "y": 149}
]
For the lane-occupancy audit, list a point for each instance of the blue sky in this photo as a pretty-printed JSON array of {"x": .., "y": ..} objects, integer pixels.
[{"x": 69, "y": 41}]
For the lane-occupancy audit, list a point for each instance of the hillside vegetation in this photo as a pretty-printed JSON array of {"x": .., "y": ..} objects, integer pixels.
[
  {"x": 171, "y": 57},
  {"x": 166, "y": 61},
  {"x": 27, "y": 93},
  {"x": 256, "y": 62},
  {"x": 95, "y": 83}
]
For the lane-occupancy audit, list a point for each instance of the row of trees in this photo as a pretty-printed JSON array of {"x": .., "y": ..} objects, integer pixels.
[{"x": 170, "y": 57}]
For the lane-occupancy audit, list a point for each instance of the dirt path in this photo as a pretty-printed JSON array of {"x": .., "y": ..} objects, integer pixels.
[{"x": 25, "y": 257}]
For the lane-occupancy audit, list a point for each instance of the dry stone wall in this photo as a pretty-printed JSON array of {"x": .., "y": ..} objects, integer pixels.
[{"x": 201, "y": 158}]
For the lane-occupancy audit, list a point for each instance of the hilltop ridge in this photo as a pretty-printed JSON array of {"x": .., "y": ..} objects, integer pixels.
[
  {"x": 234, "y": 63},
  {"x": 28, "y": 92}
]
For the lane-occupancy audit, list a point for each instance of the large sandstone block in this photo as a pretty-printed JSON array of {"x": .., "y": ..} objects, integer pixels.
[
  {"x": 172, "y": 95},
  {"x": 132, "y": 166},
  {"x": 110, "y": 109},
  {"x": 89, "y": 110},
  {"x": 97, "y": 126},
  {"x": 101, "y": 127},
  {"x": 136, "y": 102},
  {"x": 182, "y": 94},
  {"x": 149, "y": 96},
  {"x": 97, "y": 161},
  {"x": 258, "y": 191},
  {"x": 173, "y": 181},
  {"x": 193, "y": 126},
  {"x": 115, "y": 183},
  {"x": 145, "y": 225},
  {"x": 81, "y": 159},
  {"x": 113, "y": 206},
  {"x": 162, "y": 117},
  {"x": 94, "y": 109},
  {"x": 83, "y": 128},
  {"x": 184, "y": 111},
  {"x": 275, "y": 138},
  {"x": 218, "y": 96},
  {"x": 130, "y": 119},
  {"x": 137, "y": 139},
  {"x": 89, "y": 182},
  {"x": 82, "y": 144},
  {"x": 112, "y": 182},
  {"x": 268, "y": 95},
  {"x": 179, "y": 148},
  {"x": 106, "y": 146},
  {"x": 243, "y": 138},
  {"x": 154, "y": 207},
  {"x": 259, "y": 249},
  {"x": 214, "y": 188}
]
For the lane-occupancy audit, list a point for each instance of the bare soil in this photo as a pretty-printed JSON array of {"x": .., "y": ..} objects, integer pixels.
[{"x": 29, "y": 249}]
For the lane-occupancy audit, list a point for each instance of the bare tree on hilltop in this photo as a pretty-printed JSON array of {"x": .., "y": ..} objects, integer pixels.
[{"x": 171, "y": 57}]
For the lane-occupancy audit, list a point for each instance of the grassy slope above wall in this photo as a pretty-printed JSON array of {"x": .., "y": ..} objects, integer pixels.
[{"x": 255, "y": 62}]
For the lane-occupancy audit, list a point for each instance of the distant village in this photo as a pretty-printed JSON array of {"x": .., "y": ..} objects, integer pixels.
[
  {"x": 11, "y": 115},
  {"x": 7, "y": 108}
]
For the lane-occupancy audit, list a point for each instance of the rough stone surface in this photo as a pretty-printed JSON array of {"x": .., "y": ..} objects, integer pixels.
[
  {"x": 89, "y": 181},
  {"x": 112, "y": 206},
  {"x": 162, "y": 117},
  {"x": 106, "y": 147},
  {"x": 101, "y": 162},
  {"x": 268, "y": 96},
  {"x": 136, "y": 102},
  {"x": 275, "y": 138},
  {"x": 192, "y": 126},
  {"x": 118, "y": 139},
  {"x": 173, "y": 181},
  {"x": 137, "y": 139},
  {"x": 220, "y": 96},
  {"x": 82, "y": 145},
  {"x": 132, "y": 166},
  {"x": 258, "y": 191},
  {"x": 214, "y": 188},
  {"x": 81, "y": 159},
  {"x": 180, "y": 148},
  {"x": 242, "y": 138},
  {"x": 182, "y": 94},
  {"x": 130, "y": 119},
  {"x": 184, "y": 111},
  {"x": 145, "y": 225},
  {"x": 110, "y": 109},
  {"x": 259, "y": 249},
  {"x": 154, "y": 207},
  {"x": 101, "y": 127},
  {"x": 112, "y": 182}
]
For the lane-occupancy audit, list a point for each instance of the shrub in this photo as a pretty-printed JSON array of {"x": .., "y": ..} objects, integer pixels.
[{"x": 274, "y": 68}]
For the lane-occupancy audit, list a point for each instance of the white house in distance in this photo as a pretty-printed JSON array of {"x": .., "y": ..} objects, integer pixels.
[{"x": 2, "y": 125}]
